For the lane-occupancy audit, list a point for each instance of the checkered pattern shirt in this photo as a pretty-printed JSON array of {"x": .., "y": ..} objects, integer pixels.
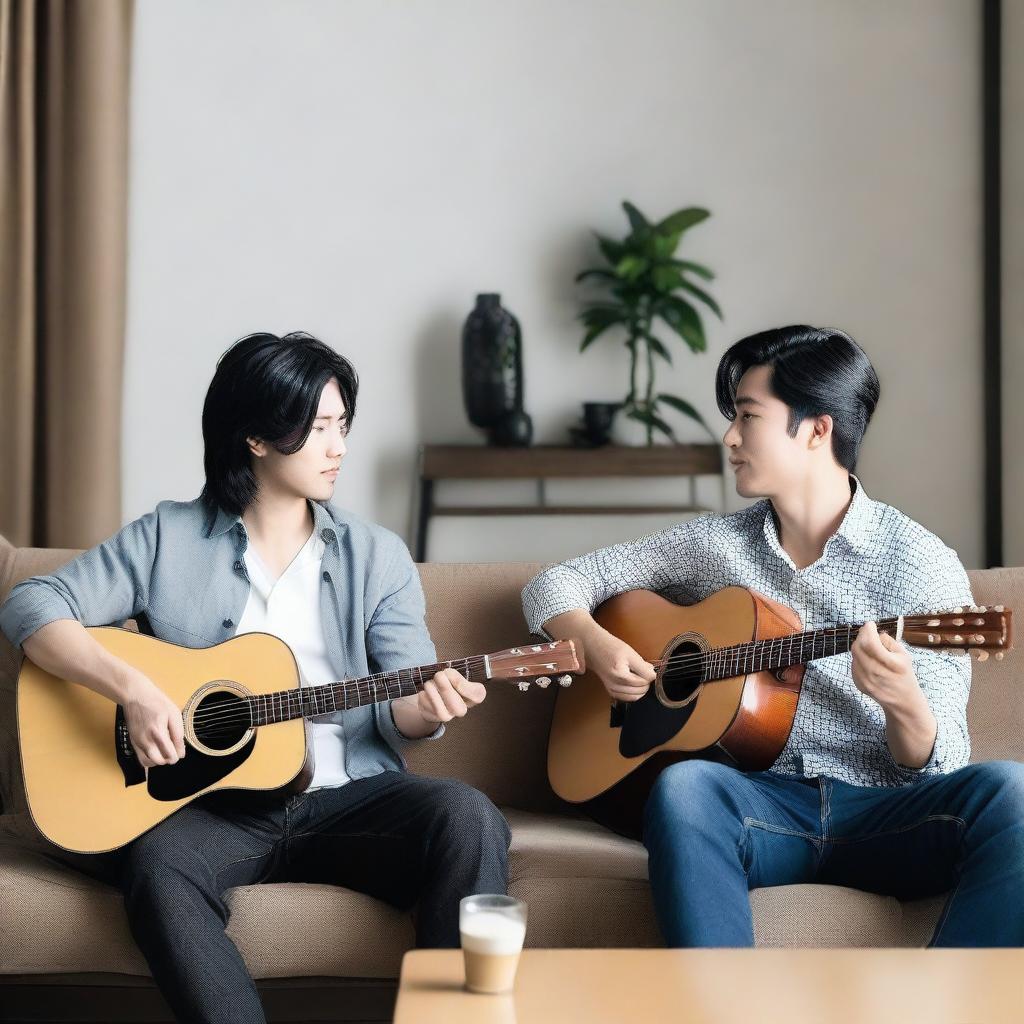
[{"x": 878, "y": 564}]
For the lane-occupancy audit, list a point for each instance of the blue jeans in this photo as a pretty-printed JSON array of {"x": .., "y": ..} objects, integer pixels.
[{"x": 713, "y": 833}]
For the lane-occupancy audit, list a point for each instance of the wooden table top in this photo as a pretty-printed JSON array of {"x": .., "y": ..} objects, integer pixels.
[{"x": 725, "y": 986}]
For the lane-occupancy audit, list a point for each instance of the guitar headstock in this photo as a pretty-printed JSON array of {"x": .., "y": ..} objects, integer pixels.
[
  {"x": 535, "y": 663},
  {"x": 973, "y": 628}
]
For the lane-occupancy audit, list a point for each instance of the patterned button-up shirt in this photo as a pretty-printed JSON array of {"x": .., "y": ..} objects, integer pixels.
[{"x": 878, "y": 564}]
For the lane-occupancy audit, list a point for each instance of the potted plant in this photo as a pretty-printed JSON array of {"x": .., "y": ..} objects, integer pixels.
[{"x": 645, "y": 284}]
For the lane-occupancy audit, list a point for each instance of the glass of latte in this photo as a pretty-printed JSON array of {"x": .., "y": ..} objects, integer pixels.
[{"x": 492, "y": 930}]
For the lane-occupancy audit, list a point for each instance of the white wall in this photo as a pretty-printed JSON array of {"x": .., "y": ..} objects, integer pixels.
[
  {"x": 361, "y": 169},
  {"x": 1013, "y": 274}
]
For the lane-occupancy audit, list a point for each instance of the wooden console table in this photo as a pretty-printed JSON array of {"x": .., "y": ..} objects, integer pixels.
[{"x": 547, "y": 462}]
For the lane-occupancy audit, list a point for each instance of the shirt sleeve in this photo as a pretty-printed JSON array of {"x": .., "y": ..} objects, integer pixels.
[
  {"x": 665, "y": 562},
  {"x": 397, "y": 636},
  {"x": 939, "y": 584},
  {"x": 104, "y": 585}
]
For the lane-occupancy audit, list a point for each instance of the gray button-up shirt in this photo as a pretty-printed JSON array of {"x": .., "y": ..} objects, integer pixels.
[
  {"x": 179, "y": 572},
  {"x": 878, "y": 564}
]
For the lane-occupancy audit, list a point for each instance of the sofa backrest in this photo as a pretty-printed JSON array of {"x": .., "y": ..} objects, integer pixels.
[{"x": 501, "y": 747}]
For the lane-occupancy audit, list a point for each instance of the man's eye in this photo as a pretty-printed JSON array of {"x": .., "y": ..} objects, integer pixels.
[{"x": 747, "y": 416}]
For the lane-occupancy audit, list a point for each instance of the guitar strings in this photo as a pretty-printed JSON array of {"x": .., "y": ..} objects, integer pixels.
[{"x": 233, "y": 717}]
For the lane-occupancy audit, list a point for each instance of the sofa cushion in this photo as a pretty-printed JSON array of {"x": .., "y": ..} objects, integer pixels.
[
  {"x": 995, "y": 711},
  {"x": 56, "y": 920},
  {"x": 584, "y": 886}
]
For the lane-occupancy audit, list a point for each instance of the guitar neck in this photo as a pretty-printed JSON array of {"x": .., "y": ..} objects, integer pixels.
[
  {"x": 783, "y": 651},
  {"x": 310, "y": 701}
]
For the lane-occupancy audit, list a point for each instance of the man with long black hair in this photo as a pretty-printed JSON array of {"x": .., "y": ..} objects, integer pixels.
[
  {"x": 263, "y": 550},
  {"x": 873, "y": 789}
]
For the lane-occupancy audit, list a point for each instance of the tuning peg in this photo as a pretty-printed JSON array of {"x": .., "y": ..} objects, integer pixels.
[
  {"x": 982, "y": 655},
  {"x": 998, "y": 608},
  {"x": 523, "y": 684},
  {"x": 565, "y": 681},
  {"x": 999, "y": 655},
  {"x": 543, "y": 681},
  {"x": 956, "y": 622}
]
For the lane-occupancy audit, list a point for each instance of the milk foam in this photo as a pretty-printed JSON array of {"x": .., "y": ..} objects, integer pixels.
[{"x": 488, "y": 932}]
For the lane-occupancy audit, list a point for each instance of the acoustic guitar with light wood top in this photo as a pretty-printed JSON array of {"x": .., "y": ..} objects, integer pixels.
[
  {"x": 729, "y": 672},
  {"x": 88, "y": 792}
]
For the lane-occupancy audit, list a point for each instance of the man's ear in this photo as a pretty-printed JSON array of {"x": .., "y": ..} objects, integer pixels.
[
  {"x": 257, "y": 447},
  {"x": 821, "y": 431}
]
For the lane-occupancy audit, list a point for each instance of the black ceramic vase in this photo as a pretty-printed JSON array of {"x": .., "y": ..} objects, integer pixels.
[{"x": 492, "y": 373}]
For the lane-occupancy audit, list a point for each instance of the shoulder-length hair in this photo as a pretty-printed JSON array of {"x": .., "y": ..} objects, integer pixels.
[
  {"x": 267, "y": 388},
  {"x": 816, "y": 372}
]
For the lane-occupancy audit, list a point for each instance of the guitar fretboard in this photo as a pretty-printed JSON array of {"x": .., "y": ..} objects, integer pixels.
[
  {"x": 310, "y": 701},
  {"x": 783, "y": 651}
]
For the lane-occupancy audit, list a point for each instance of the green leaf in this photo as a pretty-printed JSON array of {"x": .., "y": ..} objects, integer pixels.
[
  {"x": 651, "y": 419},
  {"x": 592, "y": 335},
  {"x": 592, "y": 316},
  {"x": 696, "y": 268},
  {"x": 661, "y": 246},
  {"x": 637, "y": 221},
  {"x": 598, "y": 319},
  {"x": 631, "y": 267},
  {"x": 613, "y": 251},
  {"x": 704, "y": 297},
  {"x": 681, "y": 220},
  {"x": 659, "y": 424},
  {"x": 595, "y": 272},
  {"x": 684, "y": 407},
  {"x": 665, "y": 278},
  {"x": 658, "y": 348},
  {"x": 684, "y": 320}
]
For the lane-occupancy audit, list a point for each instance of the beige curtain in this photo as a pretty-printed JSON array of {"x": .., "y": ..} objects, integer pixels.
[{"x": 64, "y": 68}]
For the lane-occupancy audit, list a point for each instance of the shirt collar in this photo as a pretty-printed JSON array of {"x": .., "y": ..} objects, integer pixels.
[
  {"x": 855, "y": 529},
  {"x": 323, "y": 523}
]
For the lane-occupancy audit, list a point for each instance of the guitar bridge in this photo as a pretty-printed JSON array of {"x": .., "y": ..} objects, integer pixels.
[{"x": 131, "y": 767}]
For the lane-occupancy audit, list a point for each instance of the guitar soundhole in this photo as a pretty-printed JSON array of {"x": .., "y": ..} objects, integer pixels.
[
  {"x": 683, "y": 674},
  {"x": 221, "y": 719}
]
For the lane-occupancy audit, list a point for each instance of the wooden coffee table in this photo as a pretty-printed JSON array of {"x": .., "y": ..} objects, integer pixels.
[{"x": 694, "y": 986}]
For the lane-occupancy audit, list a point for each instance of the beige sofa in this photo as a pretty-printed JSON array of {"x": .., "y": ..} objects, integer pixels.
[{"x": 65, "y": 949}]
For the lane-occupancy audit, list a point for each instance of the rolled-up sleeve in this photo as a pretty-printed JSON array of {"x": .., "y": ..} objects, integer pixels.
[
  {"x": 397, "y": 636},
  {"x": 106, "y": 584},
  {"x": 944, "y": 676},
  {"x": 665, "y": 561}
]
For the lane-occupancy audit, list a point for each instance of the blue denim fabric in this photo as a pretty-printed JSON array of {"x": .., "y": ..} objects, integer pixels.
[
  {"x": 713, "y": 833},
  {"x": 180, "y": 573}
]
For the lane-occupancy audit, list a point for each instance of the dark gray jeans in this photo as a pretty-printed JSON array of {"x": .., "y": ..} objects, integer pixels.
[{"x": 405, "y": 839}]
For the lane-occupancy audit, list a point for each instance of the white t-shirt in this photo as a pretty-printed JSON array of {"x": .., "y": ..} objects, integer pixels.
[{"x": 290, "y": 609}]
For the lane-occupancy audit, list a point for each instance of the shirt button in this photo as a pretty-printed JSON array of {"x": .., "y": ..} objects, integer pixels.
[
  {"x": 239, "y": 565},
  {"x": 327, "y": 576},
  {"x": 327, "y": 535},
  {"x": 227, "y": 623}
]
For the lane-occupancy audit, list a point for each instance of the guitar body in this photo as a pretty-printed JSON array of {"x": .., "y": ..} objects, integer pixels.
[
  {"x": 86, "y": 798},
  {"x": 745, "y": 720}
]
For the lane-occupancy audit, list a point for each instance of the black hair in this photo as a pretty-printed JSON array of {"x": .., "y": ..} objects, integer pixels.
[
  {"x": 816, "y": 372},
  {"x": 268, "y": 388}
]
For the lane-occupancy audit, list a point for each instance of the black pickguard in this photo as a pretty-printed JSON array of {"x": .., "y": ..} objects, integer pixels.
[
  {"x": 647, "y": 723},
  {"x": 194, "y": 772}
]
